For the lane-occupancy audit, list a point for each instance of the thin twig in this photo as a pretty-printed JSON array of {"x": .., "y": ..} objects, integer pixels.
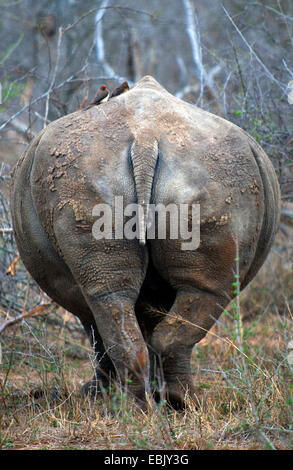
[{"x": 254, "y": 54}]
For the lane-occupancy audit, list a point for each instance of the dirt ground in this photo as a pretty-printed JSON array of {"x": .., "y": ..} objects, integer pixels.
[{"x": 244, "y": 392}]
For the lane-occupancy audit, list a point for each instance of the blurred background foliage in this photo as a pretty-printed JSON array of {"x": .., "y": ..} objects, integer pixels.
[{"x": 233, "y": 58}]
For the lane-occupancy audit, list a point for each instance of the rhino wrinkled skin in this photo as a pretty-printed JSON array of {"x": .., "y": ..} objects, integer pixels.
[{"x": 146, "y": 146}]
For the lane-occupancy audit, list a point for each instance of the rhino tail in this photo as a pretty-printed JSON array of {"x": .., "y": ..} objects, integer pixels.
[{"x": 144, "y": 157}]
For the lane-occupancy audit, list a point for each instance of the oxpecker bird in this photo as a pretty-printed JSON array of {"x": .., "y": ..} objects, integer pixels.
[
  {"x": 120, "y": 89},
  {"x": 101, "y": 97}
]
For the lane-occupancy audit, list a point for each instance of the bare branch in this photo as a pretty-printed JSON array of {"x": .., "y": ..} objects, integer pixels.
[
  {"x": 94, "y": 10},
  {"x": 11, "y": 269},
  {"x": 99, "y": 41},
  {"x": 259, "y": 61},
  {"x": 194, "y": 38},
  {"x": 100, "y": 49},
  {"x": 32, "y": 313},
  {"x": 287, "y": 68},
  {"x": 206, "y": 80},
  {"x": 60, "y": 34},
  {"x": 267, "y": 7}
]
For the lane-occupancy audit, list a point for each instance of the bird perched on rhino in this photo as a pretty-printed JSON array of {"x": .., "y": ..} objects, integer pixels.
[
  {"x": 102, "y": 96},
  {"x": 123, "y": 88}
]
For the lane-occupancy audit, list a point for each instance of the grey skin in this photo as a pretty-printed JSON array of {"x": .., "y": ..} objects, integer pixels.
[{"x": 146, "y": 146}]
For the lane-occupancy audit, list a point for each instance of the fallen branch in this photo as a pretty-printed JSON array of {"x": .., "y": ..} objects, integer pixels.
[
  {"x": 32, "y": 313},
  {"x": 11, "y": 269}
]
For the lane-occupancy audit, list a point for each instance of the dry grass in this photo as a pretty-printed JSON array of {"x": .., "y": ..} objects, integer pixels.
[{"x": 244, "y": 393}]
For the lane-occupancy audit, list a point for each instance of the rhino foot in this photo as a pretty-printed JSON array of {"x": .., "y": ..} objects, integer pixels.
[{"x": 179, "y": 396}]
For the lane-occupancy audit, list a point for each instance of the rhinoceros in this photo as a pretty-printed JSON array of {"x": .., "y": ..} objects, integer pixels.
[{"x": 144, "y": 301}]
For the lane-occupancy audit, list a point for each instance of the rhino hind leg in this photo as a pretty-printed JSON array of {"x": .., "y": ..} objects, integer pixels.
[
  {"x": 54, "y": 277},
  {"x": 192, "y": 315},
  {"x": 122, "y": 339},
  {"x": 110, "y": 274},
  {"x": 156, "y": 297}
]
